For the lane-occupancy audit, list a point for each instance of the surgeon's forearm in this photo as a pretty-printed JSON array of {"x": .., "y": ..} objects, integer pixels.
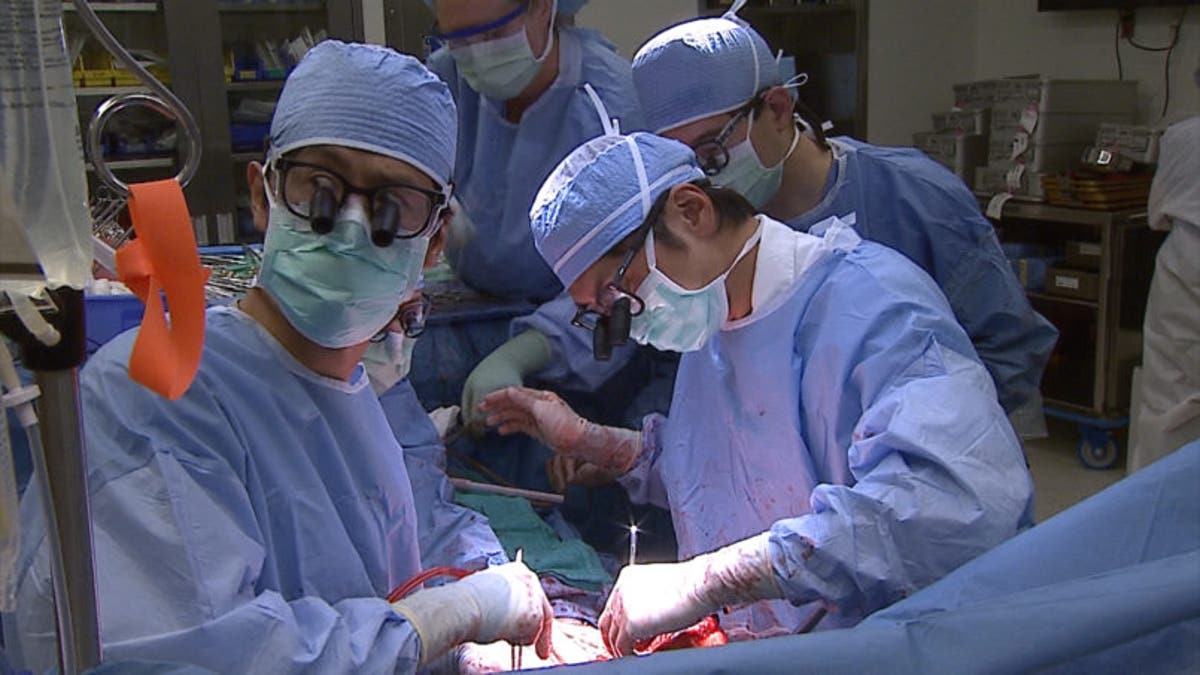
[{"x": 613, "y": 449}]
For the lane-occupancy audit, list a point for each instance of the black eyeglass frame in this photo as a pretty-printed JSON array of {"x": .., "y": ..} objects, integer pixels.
[
  {"x": 413, "y": 318},
  {"x": 437, "y": 201},
  {"x": 715, "y": 156}
]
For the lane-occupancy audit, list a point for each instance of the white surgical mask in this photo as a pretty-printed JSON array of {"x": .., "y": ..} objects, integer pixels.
[
  {"x": 745, "y": 173},
  {"x": 677, "y": 319},
  {"x": 503, "y": 67},
  {"x": 389, "y": 360}
]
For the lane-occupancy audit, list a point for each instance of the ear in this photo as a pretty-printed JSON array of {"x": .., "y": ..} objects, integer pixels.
[
  {"x": 258, "y": 195},
  {"x": 778, "y": 108},
  {"x": 692, "y": 209},
  {"x": 437, "y": 242},
  {"x": 537, "y": 26}
]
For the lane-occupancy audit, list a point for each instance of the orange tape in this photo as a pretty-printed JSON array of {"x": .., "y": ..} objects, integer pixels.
[{"x": 164, "y": 258}]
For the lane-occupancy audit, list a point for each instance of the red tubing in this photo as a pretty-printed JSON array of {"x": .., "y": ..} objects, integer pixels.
[{"x": 403, "y": 590}]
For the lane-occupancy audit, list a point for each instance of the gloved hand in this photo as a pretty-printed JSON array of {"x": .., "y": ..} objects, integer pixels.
[
  {"x": 546, "y": 417},
  {"x": 508, "y": 366},
  {"x": 500, "y": 603},
  {"x": 566, "y": 471},
  {"x": 649, "y": 600}
]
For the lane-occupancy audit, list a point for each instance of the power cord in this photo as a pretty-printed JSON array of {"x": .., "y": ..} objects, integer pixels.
[{"x": 1125, "y": 30}]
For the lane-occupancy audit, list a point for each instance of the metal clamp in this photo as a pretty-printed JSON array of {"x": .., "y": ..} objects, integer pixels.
[{"x": 189, "y": 143}]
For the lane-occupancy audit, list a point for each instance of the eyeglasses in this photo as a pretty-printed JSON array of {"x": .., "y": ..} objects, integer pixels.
[
  {"x": 412, "y": 316},
  {"x": 397, "y": 210},
  {"x": 711, "y": 154},
  {"x": 492, "y": 30},
  {"x": 611, "y": 327}
]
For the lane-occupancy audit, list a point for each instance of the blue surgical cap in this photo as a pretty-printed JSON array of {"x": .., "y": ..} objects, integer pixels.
[
  {"x": 701, "y": 68},
  {"x": 600, "y": 193},
  {"x": 369, "y": 98},
  {"x": 565, "y": 7}
]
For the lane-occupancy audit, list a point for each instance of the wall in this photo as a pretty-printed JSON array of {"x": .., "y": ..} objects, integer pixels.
[
  {"x": 629, "y": 23},
  {"x": 916, "y": 49},
  {"x": 1014, "y": 38}
]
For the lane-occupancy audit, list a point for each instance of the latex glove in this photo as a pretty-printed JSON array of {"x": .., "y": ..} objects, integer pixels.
[
  {"x": 500, "y": 603},
  {"x": 649, "y": 600},
  {"x": 546, "y": 417},
  {"x": 567, "y": 471},
  {"x": 508, "y": 366},
  {"x": 445, "y": 420}
]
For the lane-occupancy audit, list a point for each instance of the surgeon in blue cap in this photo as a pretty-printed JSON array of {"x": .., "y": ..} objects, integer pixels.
[
  {"x": 714, "y": 84},
  {"x": 518, "y": 70},
  {"x": 833, "y": 443},
  {"x": 257, "y": 523}
]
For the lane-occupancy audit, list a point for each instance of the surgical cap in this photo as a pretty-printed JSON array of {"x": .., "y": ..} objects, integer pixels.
[
  {"x": 565, "y": 7},
  {"x": 369, "y": 98},
  {"x": 701, "y": 68},
  {"x": 601, "y": 193}
]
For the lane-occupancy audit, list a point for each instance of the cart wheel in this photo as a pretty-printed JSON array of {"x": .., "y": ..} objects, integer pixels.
[{"x": 1096, "y": 455}]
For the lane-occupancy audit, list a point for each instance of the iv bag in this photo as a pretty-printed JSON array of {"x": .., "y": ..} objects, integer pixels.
[{"x": 42, "y": 175}]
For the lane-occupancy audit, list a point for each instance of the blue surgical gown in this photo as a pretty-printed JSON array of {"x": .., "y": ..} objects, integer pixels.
[
  {"x": 254, "y": 525},
  {"x": 906, "y": 201},
  {"x": 450, "y": 534},
  {"x": 850, "y": 417},
  {"x": 500, "y": 165}
]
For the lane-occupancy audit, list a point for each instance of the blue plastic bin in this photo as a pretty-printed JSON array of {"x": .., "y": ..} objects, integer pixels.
[{"x": 107, "y": 316}]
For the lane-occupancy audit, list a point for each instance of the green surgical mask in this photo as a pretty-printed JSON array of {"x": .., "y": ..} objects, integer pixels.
[
  {"x": 746, "y": 175},
  {"x": 677, "y": 319},
  {"x": 337, "y": 289},
  {"x": 502, "y": 68}
]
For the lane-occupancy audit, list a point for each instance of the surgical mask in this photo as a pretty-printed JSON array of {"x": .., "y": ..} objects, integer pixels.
[
  {"x": 746, "y": 175},
  {"x": 677, "y": 319},
  {"x": 389, "y": 360},
  {"x": 503, "y": 67},
  {"x": 337, "y": 289}
]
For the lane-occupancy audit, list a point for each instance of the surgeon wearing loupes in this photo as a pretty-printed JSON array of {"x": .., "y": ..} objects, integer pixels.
[
  {"x": 714, "y": 84},
  {"x": 834, "y": 442}
]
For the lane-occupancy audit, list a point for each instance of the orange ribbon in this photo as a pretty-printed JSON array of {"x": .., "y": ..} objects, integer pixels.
[{"x": 164, "y": 258}]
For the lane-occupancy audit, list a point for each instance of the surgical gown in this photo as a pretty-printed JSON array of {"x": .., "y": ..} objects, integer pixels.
[
  {"x": 450, "y": 534},
  {"x": 849, "y": 416},
  {"x": 254, "y": 525},
  {"x": 501, "y": 165},
  {"x": 906, "y": 201}
]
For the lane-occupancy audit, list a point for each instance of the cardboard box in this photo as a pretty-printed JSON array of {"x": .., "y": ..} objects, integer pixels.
[
  {"x": 1073, "y": 283},
  {"x": 1084, "y": 255}
]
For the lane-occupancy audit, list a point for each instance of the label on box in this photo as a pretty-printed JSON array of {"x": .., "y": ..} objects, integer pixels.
[
  {"x": 1020, "y": 144},
  {"x": 1089, "y": 249},
  {"x": 1029, "y": 119},
  {"x": 1067, "y": 282},
  {"x": 995, "y": 207}
]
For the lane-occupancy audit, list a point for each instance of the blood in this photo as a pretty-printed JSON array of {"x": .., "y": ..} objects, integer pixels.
[{"x": 706, "y": 633}]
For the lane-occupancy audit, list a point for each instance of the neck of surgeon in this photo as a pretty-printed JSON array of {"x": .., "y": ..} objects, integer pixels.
[
  {"x": 338, "y": 364},
  {"x": 739, "y": 285},
  {"x": 515, "y": 107}
]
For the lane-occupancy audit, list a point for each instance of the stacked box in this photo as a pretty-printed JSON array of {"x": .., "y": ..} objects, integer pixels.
[
  {"x": 1046, "y": 125},
  {"x": 964, "y": 121},
  {"x": 961, "y": 153},
  {"x": 1135, "y": 142}
]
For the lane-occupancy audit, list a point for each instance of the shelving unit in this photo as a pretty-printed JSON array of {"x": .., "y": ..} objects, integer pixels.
[
  {"x": 1100, "y": 341},
  {"x": 194, "y": 36},
  {"x": 829, "y": 42}
]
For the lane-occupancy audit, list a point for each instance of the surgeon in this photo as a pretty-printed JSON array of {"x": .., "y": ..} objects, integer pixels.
[
  {"x": 518, "y": 70},
  {"x": 834, "y": 443},
  {"x": 714, "y": 85},
  {"x": 257, "y": 523},
  {"x": 450, "y": 535}
]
